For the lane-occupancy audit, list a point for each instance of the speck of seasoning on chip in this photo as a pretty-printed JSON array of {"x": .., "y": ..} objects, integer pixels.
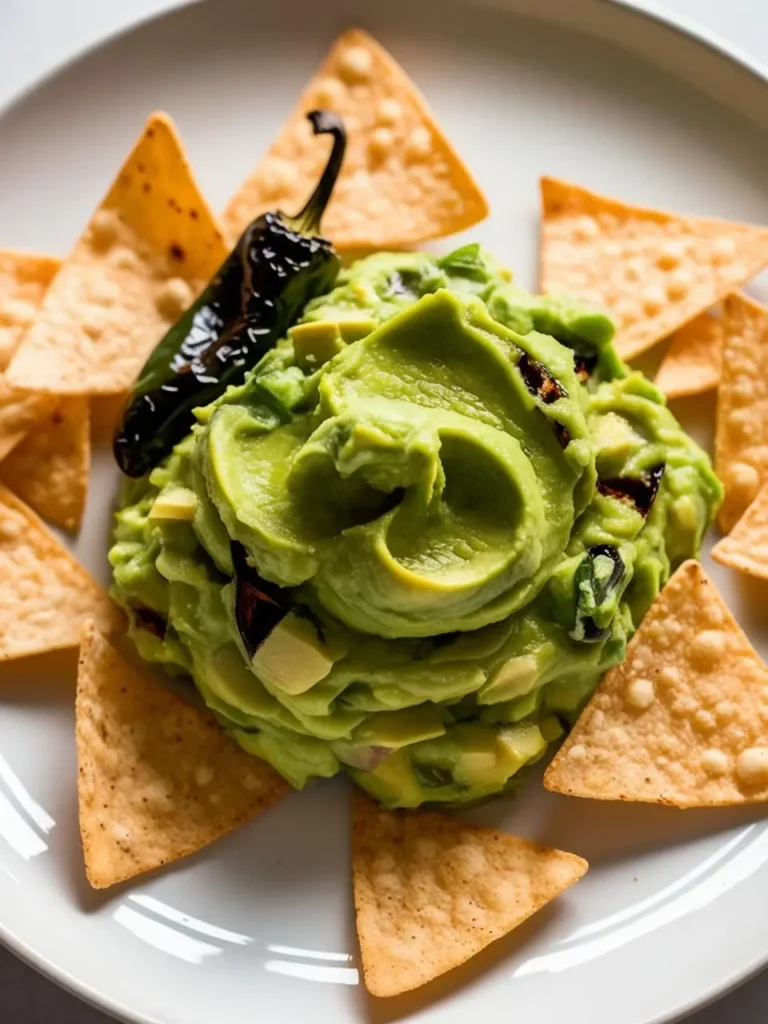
[
  {"x": 714, "y": 762},
  {"x": 752, "y": 766},
  {"x": 103, "y": 229},
  {"x": 577, "y": 752},
  {"x": 355, "y": 64},
  {"x": 640, "y": 693},
  {"x": 173, "y": 297}
]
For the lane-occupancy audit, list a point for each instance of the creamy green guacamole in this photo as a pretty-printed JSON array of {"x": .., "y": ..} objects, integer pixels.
[{"x": 471, "y": 503}]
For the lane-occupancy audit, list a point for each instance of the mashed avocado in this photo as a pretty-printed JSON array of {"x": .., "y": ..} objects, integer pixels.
[{"x": 409, "y": 545}]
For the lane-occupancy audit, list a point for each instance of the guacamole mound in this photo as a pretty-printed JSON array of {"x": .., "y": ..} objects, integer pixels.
[{"x": 411, "y": 542}]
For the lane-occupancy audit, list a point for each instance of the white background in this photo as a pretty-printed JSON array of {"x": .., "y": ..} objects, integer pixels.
[{"x": 38, "y": 34}]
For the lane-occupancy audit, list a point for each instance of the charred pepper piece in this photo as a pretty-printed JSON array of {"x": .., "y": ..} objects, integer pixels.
[
  {"x": 259, "y": 604},
  {"x": 638, "y": 491},
  {"x": 276, "y": 267}
]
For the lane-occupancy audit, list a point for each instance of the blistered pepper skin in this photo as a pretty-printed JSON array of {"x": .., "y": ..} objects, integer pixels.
[{"x": 276, "y": 267}]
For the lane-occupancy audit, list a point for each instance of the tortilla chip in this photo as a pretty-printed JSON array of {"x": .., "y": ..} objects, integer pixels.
[
  {"x": 746, "y": 546},
  {"x": 45, "y": 595},
  {"x": 24, "y": 279},
  {"x": 431, "y": 891},
  {"x": 684, "y": 720},
  {"x": 741, "y": 437},
  {"x": 692, "y": 364},
  {"x": 402, "y": 182},
  {"x": 158, "y": 779},
  {"x": 146, "y": 253},
  {"x": 653, "y": 271},
  {"x": 49, "y": 468}
]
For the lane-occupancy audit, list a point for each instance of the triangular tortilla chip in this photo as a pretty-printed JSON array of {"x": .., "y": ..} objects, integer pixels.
[
  {"x": 694, "y": 359},
  {"x": 45, "y": 595},
  {"x": 49, "y": 468},
  {"x": 683, "y": 720},
  {"x": 431, "y": 891},
  {"x": 653, "y": 271},
  {"x": 741, "y": 436},
  {"x": 158, "y": 779},
  {"x": 24, "y": 279},
  {"x": 746, "y": 546},
  {"x": 402, "y": 182},
  {"x": 147, "y": 251}
]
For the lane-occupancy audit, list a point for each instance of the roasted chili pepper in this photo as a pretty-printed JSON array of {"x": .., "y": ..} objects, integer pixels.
[
  {"x": 593, "y": 589},
  {"x": 638, "y": 491},
  {"x": 259, "y": 604},
  {"x": 276, "y": 267}
]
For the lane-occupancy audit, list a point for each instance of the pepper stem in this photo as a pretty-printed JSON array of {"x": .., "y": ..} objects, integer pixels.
[{"x": 324, "y": 122}]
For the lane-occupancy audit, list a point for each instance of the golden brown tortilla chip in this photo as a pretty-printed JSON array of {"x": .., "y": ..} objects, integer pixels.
[
  {"x": 431, "y": 891},
  {"x": 683, "y": 720},
  {"x": 146, "y": 253},
  {"x": 49, "y": 468},
  {"x": 24, "y": 279},
  {"x": 402, "y": 182},
  {"x": 653, "y": 271},
  {"x": 693, "y": 361},
  {"x": 746, "y": 546},
  {"x": 45, "y": 595},
  {"x": 741, "y": 437},
  {"x": 158, "y": 779}
]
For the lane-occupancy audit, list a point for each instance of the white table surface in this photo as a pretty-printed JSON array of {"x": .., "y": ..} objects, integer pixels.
[{"x": 35, "y": 35}]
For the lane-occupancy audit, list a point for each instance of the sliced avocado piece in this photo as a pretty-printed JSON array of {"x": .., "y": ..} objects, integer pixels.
[
  {"x": 551, "y": 728},
  {"x": 517, "y": 676},
  {"x": 519, "y": 744},
  {"x": 174, "y": 502},
  {"x": 315, "y": 343},
  {"x": 354, "y": 327},
  {"x": 392, "y": 782},
  {"x": 615, "y": 441},
  {"x": 293, "y": 657},
  {"x": 399, "y": 728}
]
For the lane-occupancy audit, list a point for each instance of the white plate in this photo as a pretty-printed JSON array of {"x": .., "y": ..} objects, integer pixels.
[{"x": 259, "y": 927}]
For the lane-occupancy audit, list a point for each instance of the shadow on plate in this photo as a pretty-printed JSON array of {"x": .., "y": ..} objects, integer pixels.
[{"x": 44, "y": 679}]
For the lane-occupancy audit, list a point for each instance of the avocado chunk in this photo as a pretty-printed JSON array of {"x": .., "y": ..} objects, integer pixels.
[
  {"x": 316, "y": 343},
  {"x": 392, "y": 782},
  {"x": 353, "y": 328},
  {"x": 174, "y": 502},
  {"x": 516, "y": 676},
  {"x": 400, "y": 728},
  {"x": 293, "y": 657}
]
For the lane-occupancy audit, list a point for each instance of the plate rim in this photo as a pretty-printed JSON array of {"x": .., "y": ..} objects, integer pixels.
[{"x": 666, "y": 21}]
